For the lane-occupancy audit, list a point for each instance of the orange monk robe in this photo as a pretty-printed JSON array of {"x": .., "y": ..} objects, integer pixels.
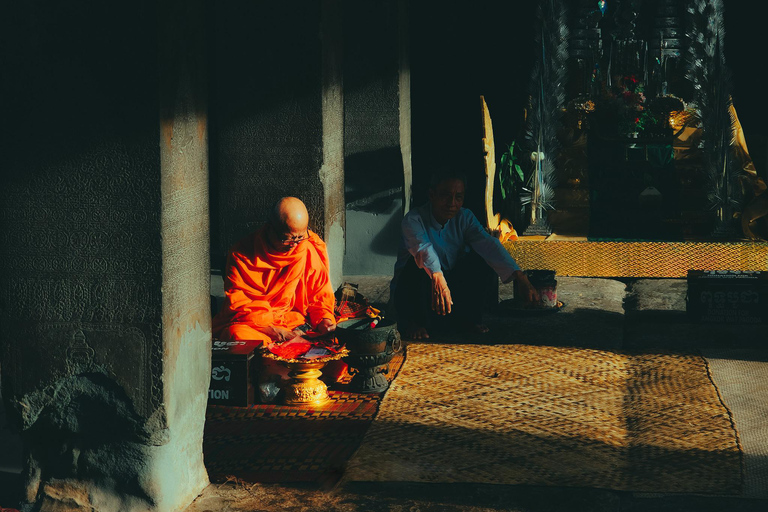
[{"x": 264, "y": 287}]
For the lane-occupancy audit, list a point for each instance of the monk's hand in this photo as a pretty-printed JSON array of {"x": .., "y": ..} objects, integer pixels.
[
  {"x": 325, "y": 326},
  {"x": 441, "y": 294},
  {"x": 280, "y": 334},
  {"x": 528, "y": 291}
]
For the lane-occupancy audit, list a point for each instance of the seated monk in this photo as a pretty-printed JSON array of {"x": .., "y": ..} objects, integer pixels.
[
  {"x": 445, "y": 260},
  {"x": 277, "y": 280}
]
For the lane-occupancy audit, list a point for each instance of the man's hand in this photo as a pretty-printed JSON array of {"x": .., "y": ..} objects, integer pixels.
[
  {"x": 325, "y": 326},
  {"x": 441, "y": 295},
  {"x": 528, "y": 293}
]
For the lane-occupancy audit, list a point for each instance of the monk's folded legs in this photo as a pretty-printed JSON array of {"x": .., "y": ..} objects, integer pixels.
[{"x": 270, "y": 371}]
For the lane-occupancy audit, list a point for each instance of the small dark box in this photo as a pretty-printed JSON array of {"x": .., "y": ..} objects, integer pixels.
[
  {"x": 232, "y": 373},
  {"x": 727, "y": 296}
]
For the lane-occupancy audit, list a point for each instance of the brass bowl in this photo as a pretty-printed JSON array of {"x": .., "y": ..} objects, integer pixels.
[{"x": 305, "y": 387}]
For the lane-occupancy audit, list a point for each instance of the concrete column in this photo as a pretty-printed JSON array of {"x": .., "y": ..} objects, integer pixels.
[
  {"x": 276, "y": 123},
  {"x": 377, "y": 136},
  {"x": 104, "y": 253}
]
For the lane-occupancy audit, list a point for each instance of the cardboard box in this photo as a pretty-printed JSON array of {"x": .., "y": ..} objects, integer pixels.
[
  {"x": 233, "y": 372},
  {"x": 727, "y": 296}
]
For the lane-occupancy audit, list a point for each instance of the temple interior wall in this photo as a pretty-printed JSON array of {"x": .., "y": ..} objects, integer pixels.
[
  {"x": 124, "y": 121},
  {"x": 266, "y": 115},
  {"x": 376, "y": 141},
  {"x": 104, "y": 273}
]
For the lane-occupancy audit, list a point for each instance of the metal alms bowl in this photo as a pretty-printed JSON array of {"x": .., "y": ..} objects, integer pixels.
[
  {"x": 360, "y": 339},
  {"x": 370, "y": 351}
]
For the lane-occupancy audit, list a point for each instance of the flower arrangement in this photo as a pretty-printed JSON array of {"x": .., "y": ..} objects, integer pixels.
[
  {"x": 635, "y": 116},
  {"x": 626, "y": 110}
]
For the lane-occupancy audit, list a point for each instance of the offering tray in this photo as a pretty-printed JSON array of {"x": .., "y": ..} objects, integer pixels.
[{"x": 305, "y": 387}]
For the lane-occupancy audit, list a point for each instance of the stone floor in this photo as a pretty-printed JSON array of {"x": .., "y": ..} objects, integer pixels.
[
  {"x": 598, "y": 313},
  {"x": 235, "y": 497}
]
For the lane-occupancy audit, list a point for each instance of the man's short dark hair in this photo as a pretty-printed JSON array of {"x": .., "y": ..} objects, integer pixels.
[{"x": 445, "y": 175}]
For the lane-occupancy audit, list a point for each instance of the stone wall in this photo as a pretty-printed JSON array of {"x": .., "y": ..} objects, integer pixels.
[
  {"x": 104, "y": 315},
  {"x": 81, "y": 255},
  {"x": 274, "y": 91},
  {"x": 376, "y": 132}
]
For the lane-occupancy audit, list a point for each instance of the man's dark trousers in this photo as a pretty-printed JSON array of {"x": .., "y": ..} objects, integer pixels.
[{"x": 473, "y": 285}]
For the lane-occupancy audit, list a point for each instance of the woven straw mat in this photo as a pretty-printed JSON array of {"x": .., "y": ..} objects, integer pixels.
[{"x": 518, "y": 414}]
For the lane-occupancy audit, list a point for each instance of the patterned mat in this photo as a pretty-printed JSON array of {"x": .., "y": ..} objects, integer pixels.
[
  {"x": 742, "y": 378},
  {"x": 276, "y": 443},
  {"x": 519, "y": 414}
]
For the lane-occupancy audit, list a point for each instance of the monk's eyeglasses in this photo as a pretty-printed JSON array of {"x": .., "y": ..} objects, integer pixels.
[{"x": 294, "y": 240}]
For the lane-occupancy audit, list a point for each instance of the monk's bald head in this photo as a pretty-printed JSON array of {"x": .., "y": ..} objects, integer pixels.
[
  {"x": 289, "y": 214},
  {"x": 288, "y": 221}
]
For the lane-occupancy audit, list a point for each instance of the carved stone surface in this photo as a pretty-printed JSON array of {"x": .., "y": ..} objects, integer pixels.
[
  {"x": 371, "y": 95},
  {"x": 186, "y": 317},
  {"x": 80, "y": 213},
  {"x": 374, "y": 159},
  {"x": 266, "y": 137},
  {"x": 104, "y": 252},
  {"x": 55, "y": 351}
]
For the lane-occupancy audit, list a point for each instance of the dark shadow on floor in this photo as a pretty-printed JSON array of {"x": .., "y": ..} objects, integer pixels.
[
  {"x": 376, "y": 497},
  {"x": 10, "y": 489},
  {"x": 454, "y": 497},
  {"x": 582, "y": 328}
]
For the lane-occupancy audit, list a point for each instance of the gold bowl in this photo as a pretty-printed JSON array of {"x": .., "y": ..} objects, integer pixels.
[{"x": 305, "y": 387}]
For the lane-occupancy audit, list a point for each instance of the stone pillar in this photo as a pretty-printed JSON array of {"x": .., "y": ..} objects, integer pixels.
[
  {"x": 404, "y": 65},
  {"x": 104, "y": 262},
  {"x": 178, "y": 473},
  {"x": 377, "y": 136},
  {"x": 332, "y": 170},
  {"x": 276, "y": 124}
]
